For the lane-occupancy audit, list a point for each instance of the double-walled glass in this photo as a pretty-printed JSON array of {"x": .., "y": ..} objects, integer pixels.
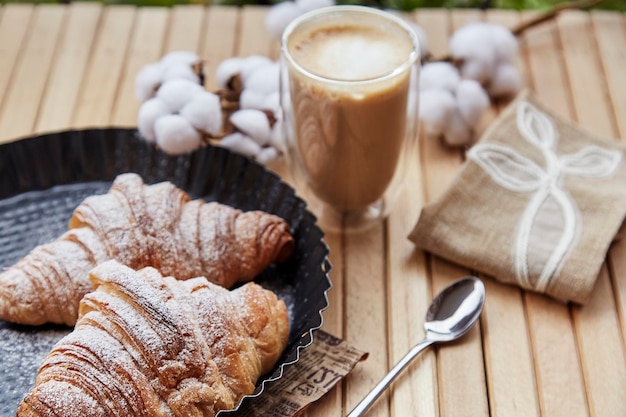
[{"x": 349, "y": 97}]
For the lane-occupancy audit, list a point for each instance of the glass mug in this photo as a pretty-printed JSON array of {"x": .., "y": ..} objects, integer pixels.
[{"x": 349, "y": 95}]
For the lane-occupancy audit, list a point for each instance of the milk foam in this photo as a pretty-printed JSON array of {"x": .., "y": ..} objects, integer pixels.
[{"x": 350, "y": 53}]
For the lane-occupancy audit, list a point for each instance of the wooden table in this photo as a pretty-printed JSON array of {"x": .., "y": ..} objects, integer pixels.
[{"x": 73, "y": 67}]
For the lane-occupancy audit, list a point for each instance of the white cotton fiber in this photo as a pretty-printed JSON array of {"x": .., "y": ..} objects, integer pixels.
[
  {"x": 279, "y": 16},
  {"x": 438, "y": 76},
  {"x": 504, "y": 43},
  {"x": 187, "y": 58},
  {"x": 472, "y": 101},
  {"x": 250, "y": 99},
  {"x": 435, "y": 109},
  {"x": 272, "y": 103},
  {"x": 457, "y": 133},
  {"x": 478, "y": 69},
  {"x": 470, "y": 39},
  {"x": 277, "y": 139},
  {"x": 175, "y": 135},
  {"x": 228, "y": 69},
  {"x": 147, "y": 81},
  {"x": 253, "y": 123},
  {"x": 264, "y": 79},
  {"x": 506, "y": 81},
  {"x": 481, "y": 47},
  {"x": 308, "y": 5},
  {"x": 149, "y": 112},
  {"x": 180, "y": 70},
  {"x": 204, "y": 112},
  {"x": 267, "y": 155},
  {"x": 251, "y": 63},
  {"x": 178, "y": 92},
  {"x": 241, "y": 144}
]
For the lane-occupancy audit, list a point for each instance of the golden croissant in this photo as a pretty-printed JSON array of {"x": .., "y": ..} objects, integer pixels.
[
  {"x": 145, "y": 345},
  {"x": 140, "y": 225}
]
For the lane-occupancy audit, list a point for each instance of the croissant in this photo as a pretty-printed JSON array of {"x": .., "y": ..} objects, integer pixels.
[
  {"x": 145, "y": 345},
  {"x": 140, "y": 225}
]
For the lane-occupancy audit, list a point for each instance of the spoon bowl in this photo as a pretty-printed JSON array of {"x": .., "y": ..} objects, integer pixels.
[
  {"x": 455, "y": 310},
  {"x": 451, "y": 314}
]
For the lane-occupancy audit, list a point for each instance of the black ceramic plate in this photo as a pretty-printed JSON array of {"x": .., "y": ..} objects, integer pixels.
[{"x": 42, "y": 180}]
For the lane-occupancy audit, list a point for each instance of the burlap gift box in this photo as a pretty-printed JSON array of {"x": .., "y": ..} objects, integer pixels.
[{"x": 537, "y": 203}]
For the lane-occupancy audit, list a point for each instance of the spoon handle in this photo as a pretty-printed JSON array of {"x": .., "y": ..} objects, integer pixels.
[{"x": 373, "y": 395}]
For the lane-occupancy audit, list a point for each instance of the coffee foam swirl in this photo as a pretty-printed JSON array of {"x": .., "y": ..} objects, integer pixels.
[{"x": 350, "y": 53}]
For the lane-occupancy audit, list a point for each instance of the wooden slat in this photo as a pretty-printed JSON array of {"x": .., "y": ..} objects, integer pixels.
[
  {"x": 185, "y": 29},
  {"x": 610, "y": 34},
  {"x": 504, "y": 319},
  {"x": 408, "y": 295},
  {"x": 460, "y": 375},
  {"x": 29, "y": 82},
  {"x": 254, "y": 37},
  {"x": 366, "y": 313},
  {"x": 146, "y": 46},
  {"x": 540, "y": 316},
  {"x": 604, "y": 364},
  {"x": 216, "y": 47},
  {"x": 69, "y": 67},
  {"x": 331, "y": 405},
  {"x": 557, "y": 365},
  {"x": 610, "y": 31},
  {"x": 102, "y": 80},
  {"x": 14, "y": 23},
  {"x": 586, "y": 81}
]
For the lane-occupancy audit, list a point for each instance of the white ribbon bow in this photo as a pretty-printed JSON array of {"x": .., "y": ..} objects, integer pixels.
[{"x": 515, "y": 172}]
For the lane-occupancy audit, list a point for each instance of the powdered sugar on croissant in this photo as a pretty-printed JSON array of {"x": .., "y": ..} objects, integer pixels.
[
  {"x": 141, "y": 225},
  {"x": 145, "y": 345}
]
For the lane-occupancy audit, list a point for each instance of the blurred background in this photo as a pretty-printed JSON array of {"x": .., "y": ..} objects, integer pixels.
[{"x": 405, "y": 5}]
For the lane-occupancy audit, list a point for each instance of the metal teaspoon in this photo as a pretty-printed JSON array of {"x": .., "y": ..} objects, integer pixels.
[{"x": 450, "y": 315}]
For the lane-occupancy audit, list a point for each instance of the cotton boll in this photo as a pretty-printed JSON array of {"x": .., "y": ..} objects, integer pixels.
[
  {"x": 478, "y": 69},
  {"x": 251, "y": 63},
  {"x": 253, "y": 123},
  {"x": 267, "y": 155},
  {"x": 505, "y": 82},
  {"x": 272, "y": 103},
  {"x": 470, "y": 38},
  {"x": 187, "y": 58},
  {"x": 472, "y": 101},
  {"x": 277, "y": 139},
  {"x": 435, "y": 110},
  {"x": 228, "y": 69},
  {"x": 308, "y": 5},
  {"x": 439, "y": 76},
  {"x": 149, "y": 112},
  {"x": 178, "y": 92},
  {"x": 504, "y": 43},
  {"x": 264, "y": 79},
  {"x": 147, "y": 81},
  {"x": 473, "y": 45},
  {"x": 241, "y": 144},
  {"x": 279, "y": 16},
  {"x": 457, "y": 133},
  {"x": 250, "y": 99},
  {"x": 204, "y": 113},
  {"x": 175, "y": 135},
  {"x": 180, "y": 70}
]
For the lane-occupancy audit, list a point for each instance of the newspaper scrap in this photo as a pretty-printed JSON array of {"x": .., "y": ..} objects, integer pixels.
[{"x": 320, "y": 367}]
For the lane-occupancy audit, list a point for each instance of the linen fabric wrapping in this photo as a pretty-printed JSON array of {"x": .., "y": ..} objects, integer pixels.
[{"x": 537, "y": 203}]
